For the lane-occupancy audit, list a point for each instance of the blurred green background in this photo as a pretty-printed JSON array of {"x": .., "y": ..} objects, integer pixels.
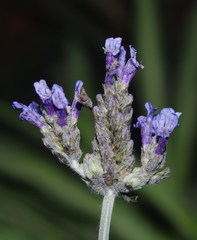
[{"x": 61, "y": 41}]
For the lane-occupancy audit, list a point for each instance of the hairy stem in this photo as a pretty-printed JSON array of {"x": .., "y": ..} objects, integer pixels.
[{"x": 106, "y": 213}]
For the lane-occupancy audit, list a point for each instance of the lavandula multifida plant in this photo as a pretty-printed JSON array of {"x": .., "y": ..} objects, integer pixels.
[{"x": 109, "y": 170}]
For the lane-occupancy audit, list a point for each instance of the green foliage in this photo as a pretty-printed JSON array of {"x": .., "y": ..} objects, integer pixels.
[{"x": 42, "y": 199}]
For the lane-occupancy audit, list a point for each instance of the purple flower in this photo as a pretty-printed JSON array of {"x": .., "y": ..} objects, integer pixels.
[
  {"x": 160, "y": 125},
  {"x": 121, "y": 62},
  {"x": 58, "y": 97},
  {"x": 130, "y": 68},
  {"x": 45, "y": 95},
  {"x": 77, "y": 104},
  {"x": 116, "y": 61},
  {"x": 60, "y": 102},
  {"x": 80, "y": 99},
  {"x": 165, "y": 122},
  {"x": 43, "y": 90},
  {"x": 111, "y": 49},
  {"x": 55, "y": 103},
  {"x": 31, "y": 113},
  {"x": 163, "y": 125},
  {"x": 145, "y": 123}
]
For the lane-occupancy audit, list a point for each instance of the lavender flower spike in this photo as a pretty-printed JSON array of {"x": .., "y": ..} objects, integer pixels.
[
  {"x": 109, "y": 169},
  {"x": 30, "y": 114}
]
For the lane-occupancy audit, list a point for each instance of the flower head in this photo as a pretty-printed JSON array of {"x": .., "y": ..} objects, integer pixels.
[
  {"x": 160, "y": 125},
  {"x": 110, "y": 166},
  {"x": 116, "y": 65},
  {"x": 57, "y": 121},
  {"x": 54, "y": 104}
]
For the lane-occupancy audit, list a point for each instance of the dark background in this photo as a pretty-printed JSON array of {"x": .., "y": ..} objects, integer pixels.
[{"x": 61, "y": 41}]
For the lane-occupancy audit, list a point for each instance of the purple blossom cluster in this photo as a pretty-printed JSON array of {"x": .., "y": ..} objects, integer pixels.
[
  {"x": 160, "y": 125},
  {"x": 116, "y": 64},
  {"x": 111, "y": 165},
  {"x": 53, "y": 103}
]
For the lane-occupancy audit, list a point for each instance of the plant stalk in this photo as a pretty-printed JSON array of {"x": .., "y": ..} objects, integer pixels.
[{"x": 106, "y": 214}]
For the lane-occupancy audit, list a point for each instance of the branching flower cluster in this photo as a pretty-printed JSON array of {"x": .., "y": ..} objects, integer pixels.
[{"x": 110, "y": 166}]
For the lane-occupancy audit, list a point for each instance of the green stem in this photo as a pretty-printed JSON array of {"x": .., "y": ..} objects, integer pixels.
[{"x": 106, "y": 213}]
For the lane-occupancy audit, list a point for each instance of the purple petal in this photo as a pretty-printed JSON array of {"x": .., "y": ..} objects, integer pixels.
[
  {"x": 128, "y": 72},
  {"x": 133, "y": 53},
  {"x": 60, "y": 102},
  {"x": 121, "y": 62},
  {"x": 58, "y": 97},
  {"x": 150, "y": 108},
  {"x": 112, "y": 45},
  {"x": 145, "y": 123},
  {"x": 18, "y": 105},
  {"x": 131, "y": 67},
  {"x": 78, "y": 86},
  {"x": 42, "y": 90},
  {"x": 81, "y": 99}
]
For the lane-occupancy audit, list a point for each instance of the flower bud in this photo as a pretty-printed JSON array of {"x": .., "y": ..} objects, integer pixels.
[{"x": 92, "y": 166}]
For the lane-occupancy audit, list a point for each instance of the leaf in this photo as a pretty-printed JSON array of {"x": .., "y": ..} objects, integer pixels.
[
  {"x": 182, "y": 151},
  {"x": 152, "y": 86}
]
